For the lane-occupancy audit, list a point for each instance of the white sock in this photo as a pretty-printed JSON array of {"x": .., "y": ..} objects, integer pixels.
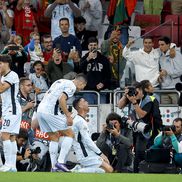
[
  {"x": 1, "y": 163},
  {"x": 91, "y": 170},
  {"x": 7, "y": 148},
  {"x": 53, "y": 151},
  {"x": 65, "y": 148},
  {"x": 13, "y": 154}
]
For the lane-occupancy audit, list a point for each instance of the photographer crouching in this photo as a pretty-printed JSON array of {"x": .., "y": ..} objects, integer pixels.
[
  {"x": 171, "y": 137},
  {"x": 116, "y": 141},
  {"x": 140, "y": 107}
]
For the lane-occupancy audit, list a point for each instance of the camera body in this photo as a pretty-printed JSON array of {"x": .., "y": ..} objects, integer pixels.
[
  {"x": 168, "y": 127},
  {"x": 13, "y": 48},
  {"x": 110, "y": 125},
  {"x": 37, "y": 150},
  {"x": 132, "y": 91}
]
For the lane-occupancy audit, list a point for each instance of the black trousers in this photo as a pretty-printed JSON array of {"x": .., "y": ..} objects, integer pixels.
[{"x": 121, "y": 159}]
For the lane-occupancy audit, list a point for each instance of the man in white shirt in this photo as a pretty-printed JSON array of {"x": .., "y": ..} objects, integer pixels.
[
  {"x": 11, "y": 113},
  {"x": 88, "y": 155},
  {"x": 54, "y": 118},
  {"x": 145, "y": 60}
]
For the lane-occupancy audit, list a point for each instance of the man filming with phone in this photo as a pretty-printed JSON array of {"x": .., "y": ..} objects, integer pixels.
[{"x": 97, "y": 68}]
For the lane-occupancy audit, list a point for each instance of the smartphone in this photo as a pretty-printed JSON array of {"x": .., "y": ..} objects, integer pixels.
[
  {"x": 13, "y": 48},
  {"x": 94, "y": 50}
]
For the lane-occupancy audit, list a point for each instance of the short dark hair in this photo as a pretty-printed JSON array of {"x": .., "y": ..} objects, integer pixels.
[
  {"x": 45, "y": 36},
  {"x": 76, "y": 102},
  {"x": 64, "y": 18},
  {"x": 5, "y": 58},
  {"x": 148, "y": 37},
  {"x": 38, "y": 62},
  {"x": 81, "y": 77},
  {"x": 177, "y": 119},
  {"x": 113, "y": 116},
  {"x": 145, "y": 84},
  {"x": 167, "y": 40},
  {"x": 80, "y": 19},
  {"x": 23, "y": 134},
  {"x": 93, "y": 40},
  {"x": 23, "y": 79}
]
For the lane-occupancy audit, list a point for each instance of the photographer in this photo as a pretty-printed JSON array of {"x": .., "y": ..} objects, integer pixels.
[
  {"x": 140, "y": 113},
  {"x": 171, "y": 136},
  {"x": 115, "y": 142},
  {"x": 26, "y": 157}
]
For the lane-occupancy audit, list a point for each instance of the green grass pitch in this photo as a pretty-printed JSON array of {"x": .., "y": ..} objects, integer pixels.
[{"x": 73, "y": 177}]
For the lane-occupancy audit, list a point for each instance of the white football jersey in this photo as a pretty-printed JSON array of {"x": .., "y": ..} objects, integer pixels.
[
  {"x": 83, "y": 145},
  {"x": 49, "y": 104},
  {"x": 9, "y": 97}
]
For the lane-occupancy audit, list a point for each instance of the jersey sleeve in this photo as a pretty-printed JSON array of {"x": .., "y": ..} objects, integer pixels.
[
  {"x": 11, "y": 78},
  {"x": 69, "y": 89}
]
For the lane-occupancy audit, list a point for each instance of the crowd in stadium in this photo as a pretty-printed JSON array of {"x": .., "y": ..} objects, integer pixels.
[{"x": 50, "y": 50}]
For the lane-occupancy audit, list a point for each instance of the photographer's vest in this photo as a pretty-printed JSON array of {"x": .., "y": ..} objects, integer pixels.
[
  {"x": 134, "y": 116},
  {"x": 131, "y": 110}
]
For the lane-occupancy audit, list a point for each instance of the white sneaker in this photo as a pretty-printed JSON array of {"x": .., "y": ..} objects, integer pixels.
[
  {"x": 13, "y": 169},
  {"x": 5, "y": 168},
  {"x": 76, "y": 168}
]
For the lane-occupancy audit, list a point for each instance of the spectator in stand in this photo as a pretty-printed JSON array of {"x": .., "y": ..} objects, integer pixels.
[
  {"x": 19, "y": 57},
  {"x": 145, "y": 60},
  {"x": 119, "y": 14},
  {"x": 60, "y": 9},
  {"x": 35, "y": 49},
  {"x": 66, "y": 41},
  {"x": 112, "y": 48},
  {"x": 4, "y": 34},
  {"x": 97, "y": 68},
  {"x": 170, "y": 70},
  {"x": 24, "y": 20},
  {"x": 39, "y": 81},
  {"x": 56, "y": 68},
  {"x": 176, "y": 7},
  {"x": 7, "y": 14},
  {"x": 47, "y": 45},
  {"x": 153, "y": 7},
  {"x": 92, "y": 11},
  {"x": 6, "y": 22},
  {"x": 82, "y": 33}
]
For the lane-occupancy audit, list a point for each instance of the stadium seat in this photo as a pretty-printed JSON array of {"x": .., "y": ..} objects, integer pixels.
[
  {"x": 157, "y": 32},
  {"x": 180, "y": 31},
  {"x": 147, "y": 20}
]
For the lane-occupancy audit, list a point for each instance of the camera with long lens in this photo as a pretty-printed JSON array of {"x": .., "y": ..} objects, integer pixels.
[
  {"x": 138, "y": 126},
  {"x": 168, "y": 127},
  {"x": 132, "y": 91},
  {"x": 37, "y": 150}
]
